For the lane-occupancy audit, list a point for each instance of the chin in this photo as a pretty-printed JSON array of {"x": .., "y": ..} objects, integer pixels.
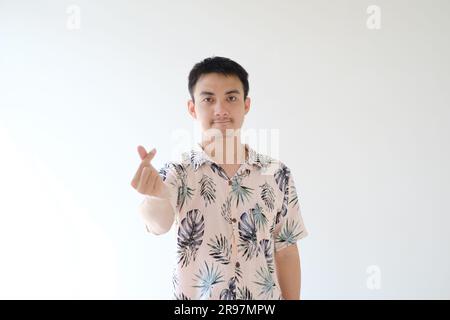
[{"x": 225, "y": 131}]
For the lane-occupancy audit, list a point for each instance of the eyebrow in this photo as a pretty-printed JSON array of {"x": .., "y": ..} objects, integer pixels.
[{"x": 207, "y": 93}]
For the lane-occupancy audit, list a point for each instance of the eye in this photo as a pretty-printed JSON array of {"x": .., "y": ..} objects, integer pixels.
[
  {"x": 207, "y": 99},
  {"x": 233, "y": 98}
]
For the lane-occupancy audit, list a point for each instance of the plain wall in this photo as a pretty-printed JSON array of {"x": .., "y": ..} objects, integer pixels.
[{"x": 362, "y": 115}]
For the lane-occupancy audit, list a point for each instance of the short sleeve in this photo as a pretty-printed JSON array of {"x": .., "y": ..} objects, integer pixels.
[
  {"x": 172, "y": 174},
  {"x": 289, "y": 226}
]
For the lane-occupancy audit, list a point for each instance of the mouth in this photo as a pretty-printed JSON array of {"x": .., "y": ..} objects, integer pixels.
[{"x": 227, "y": 121}]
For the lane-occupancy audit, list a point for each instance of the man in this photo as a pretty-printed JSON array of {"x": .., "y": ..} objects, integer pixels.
[{"x": 236, "y": 211}]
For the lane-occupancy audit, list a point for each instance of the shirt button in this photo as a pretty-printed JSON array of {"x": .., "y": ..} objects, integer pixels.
[
  {"x": 234, "y": 220},
  {"x": 238, "y": 264},
  {"x": 229, "y": 182}
]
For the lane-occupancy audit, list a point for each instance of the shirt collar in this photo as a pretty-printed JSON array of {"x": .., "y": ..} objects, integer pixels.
[{"x": 196, "y": 157}]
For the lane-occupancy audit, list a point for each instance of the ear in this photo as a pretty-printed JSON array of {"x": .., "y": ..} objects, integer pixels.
[
  {"x": 191, "y": 108},
  {"x": 247, "y": 104}
]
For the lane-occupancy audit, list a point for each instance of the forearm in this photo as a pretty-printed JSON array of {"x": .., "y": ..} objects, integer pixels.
[
  {"x": 157, "y": 213},
  {"x": 289, "y": 272}
]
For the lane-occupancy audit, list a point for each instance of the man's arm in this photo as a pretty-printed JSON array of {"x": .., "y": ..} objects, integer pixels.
[
  {"x": 288, "y": 271},
  {"x": 157, "y": 213},
  {"x": 156, "y": 209}
]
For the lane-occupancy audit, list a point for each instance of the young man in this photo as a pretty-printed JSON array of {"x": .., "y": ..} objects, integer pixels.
[{"x": 236, "y": 211}]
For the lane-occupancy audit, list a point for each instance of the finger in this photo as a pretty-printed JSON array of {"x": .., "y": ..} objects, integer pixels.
[
  {"x": 148, "y": 183},
  {"x": 142, "y": 152},
  {"x": 138, "y": 175},
  {"x": 149, "y": 180},
  {"x": 145, "y": 163},
  {"x": 143, "y": 179},
  {"x": 147, "y": 157},
  {"x": 154, "y": 183}
]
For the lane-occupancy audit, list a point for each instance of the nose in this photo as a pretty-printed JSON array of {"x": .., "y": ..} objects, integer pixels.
[{"x": 220, "y": 111}]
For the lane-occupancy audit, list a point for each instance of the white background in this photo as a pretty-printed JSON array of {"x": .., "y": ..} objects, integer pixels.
[{"x": 363, "y": 117}]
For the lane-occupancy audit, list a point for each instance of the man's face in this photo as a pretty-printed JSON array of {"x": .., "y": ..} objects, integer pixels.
[{"x": 219, "y": 103}]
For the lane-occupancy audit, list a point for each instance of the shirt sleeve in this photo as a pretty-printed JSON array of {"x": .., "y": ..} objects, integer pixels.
[
  {"x": 159, "y": 213},
  {"x": 172, "y": 173},
  {"x": 289, "y": 226}
]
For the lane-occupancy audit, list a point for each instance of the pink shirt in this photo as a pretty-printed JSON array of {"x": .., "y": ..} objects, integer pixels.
[{"x": 228, "y": 229}]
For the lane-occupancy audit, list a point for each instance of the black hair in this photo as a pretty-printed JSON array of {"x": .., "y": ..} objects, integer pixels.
[{"x": 221, "y": 65}]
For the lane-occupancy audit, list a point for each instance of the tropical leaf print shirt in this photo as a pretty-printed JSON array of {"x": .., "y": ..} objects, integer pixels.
[{"x": 229, "y": 228}]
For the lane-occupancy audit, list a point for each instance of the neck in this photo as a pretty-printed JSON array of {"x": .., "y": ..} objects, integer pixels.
[{"x": 228, "y": 150}]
